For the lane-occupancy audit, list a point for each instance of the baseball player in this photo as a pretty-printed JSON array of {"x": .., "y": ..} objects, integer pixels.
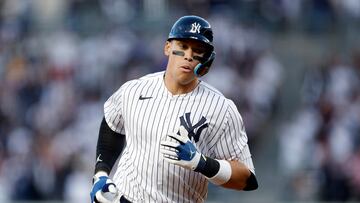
[{"x": 175, "y": 133}]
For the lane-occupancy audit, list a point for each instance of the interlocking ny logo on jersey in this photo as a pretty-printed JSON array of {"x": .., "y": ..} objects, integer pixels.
[
  {"x": 195, "y": 28},
  {"x": 201, "y": 125}
]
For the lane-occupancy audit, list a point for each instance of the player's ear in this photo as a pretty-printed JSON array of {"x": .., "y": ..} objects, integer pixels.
[{"x": 167, "y": 48}]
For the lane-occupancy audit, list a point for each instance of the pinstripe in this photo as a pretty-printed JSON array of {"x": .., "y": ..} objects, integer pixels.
[
  {"x": 163, "y": 186},
  {"x": 144, "y": 133},
  {"x": 188, "y": 176},
  {"x": 148, "y": 182},
  {"x": 198, "y": 186},
  {"x": 180, "y": 171},
  {"x": 217, "y": 131},
  {"x": 174, "y": 182},
  {"x": 161, "y": 177},
  {"x": 209, "y": 102},
  {"x": 134, "y": 139},
  {"x": 138, "y": 136},
  {"x": 165, "y": 170},
  {"x": 192, "y": 104},
  {"x": 142, "y": 175},
  {"x": 156, "y": 152}
]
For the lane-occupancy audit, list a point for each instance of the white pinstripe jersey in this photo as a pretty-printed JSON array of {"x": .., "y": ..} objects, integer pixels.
[{"x": 145, "y": 111}]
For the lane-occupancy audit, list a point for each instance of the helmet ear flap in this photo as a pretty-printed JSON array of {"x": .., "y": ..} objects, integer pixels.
[{"x": 202, "y": 68}]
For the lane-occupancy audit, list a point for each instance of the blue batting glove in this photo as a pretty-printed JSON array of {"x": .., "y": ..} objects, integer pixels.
[
  {"x": 103, "y": 190},
  {"x": 181, "y": 151}
]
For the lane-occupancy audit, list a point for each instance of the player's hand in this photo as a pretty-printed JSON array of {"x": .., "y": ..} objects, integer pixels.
[
  {"x": 103, "y": 190},
  {"x": 180, "y": 150}
]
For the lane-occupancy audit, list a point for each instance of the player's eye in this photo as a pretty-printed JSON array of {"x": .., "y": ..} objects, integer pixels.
[
  {"x": 198, "y": 58},
  {"x": 198, "y": 51},
  {"x": 184, "y": 46}
]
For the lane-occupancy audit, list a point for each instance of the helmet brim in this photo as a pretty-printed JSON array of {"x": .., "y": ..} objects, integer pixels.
[{"x": 198, "y": 38}]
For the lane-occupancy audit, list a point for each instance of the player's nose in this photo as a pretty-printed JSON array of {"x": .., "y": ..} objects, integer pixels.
[{"x": 188, "y": 55}]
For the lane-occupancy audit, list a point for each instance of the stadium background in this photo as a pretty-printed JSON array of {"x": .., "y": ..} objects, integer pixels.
[{"x": 291, "y": 66}]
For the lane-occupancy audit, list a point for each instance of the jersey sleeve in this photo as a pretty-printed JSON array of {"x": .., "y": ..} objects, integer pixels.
[
  {"x": 113, "y": 111},
  {"x": 232, "y": 144}
]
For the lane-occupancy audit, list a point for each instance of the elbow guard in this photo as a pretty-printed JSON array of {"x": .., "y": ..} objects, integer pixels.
[{"x": 251, "y": 183}]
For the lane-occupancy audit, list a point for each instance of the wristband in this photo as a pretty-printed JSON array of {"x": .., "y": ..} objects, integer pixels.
[
  {"x": 100, "y": 173},
  {"x": 223, "y": 175}
]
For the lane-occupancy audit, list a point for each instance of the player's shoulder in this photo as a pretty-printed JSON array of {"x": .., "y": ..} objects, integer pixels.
[
  {"x": 211, "y": 90},
  {"x": 216, "y": 93},
  {"x": 152, "y": 76}
]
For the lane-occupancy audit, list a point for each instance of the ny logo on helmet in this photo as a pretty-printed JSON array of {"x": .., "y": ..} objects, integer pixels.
[{"x": 195, "y": 28}]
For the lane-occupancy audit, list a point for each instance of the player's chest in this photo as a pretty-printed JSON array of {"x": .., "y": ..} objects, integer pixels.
[{"x": 156, "y": 116}]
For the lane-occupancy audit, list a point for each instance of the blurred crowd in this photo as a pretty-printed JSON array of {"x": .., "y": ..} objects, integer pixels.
[
  {"x": 61, "y": 60},
  {"x": 320, "y": 145}
]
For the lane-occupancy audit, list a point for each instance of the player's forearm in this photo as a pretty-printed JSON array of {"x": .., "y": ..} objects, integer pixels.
[
  {"x": 228, "y": 174},
  {"x": 241, "y": 178}
]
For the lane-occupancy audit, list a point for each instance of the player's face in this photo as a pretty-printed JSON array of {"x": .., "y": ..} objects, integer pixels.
[{"x": 183, "y": 56}]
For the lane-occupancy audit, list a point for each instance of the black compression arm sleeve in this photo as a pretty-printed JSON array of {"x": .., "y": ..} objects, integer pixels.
[{"x": 109, "y": 146}]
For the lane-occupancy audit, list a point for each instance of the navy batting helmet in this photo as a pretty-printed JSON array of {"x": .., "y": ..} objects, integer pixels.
[
  {"x": 192, "y": 27},
  {"x": 196, "y": 28}
]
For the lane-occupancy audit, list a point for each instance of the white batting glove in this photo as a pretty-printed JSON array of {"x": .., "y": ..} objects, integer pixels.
[
  {"x": 181, "y": 151},
  {"x": 103, "y": 190}
]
